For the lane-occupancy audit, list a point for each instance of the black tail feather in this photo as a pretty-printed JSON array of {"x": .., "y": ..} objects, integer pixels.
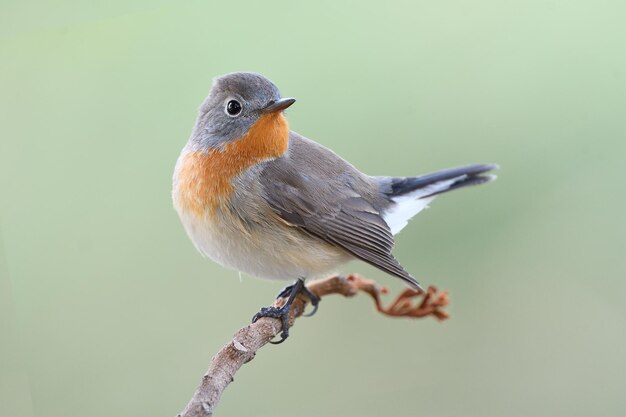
[{"x": 467, "y": 175}]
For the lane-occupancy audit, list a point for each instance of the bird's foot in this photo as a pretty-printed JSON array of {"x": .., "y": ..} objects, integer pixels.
[
  {"x": 313, "y": 298},
  {"x": 282, "y": 313},
  {"x": 278, "y": 313}
]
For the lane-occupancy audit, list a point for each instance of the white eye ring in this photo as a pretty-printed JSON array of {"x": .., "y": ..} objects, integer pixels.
[{"x": 233, "y": 108}]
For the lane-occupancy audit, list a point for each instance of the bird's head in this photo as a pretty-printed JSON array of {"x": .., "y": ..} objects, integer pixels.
[{"x": 236, "y": 102}]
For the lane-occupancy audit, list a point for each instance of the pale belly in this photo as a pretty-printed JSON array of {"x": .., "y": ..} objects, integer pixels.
[{"x": 277, "y": 253}]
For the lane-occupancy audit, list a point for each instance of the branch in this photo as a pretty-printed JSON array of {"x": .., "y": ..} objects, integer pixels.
[{"x": 251, "y": 338}]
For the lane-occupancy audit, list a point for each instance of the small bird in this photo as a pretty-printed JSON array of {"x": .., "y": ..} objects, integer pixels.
[{"x": 254, "y": 196}]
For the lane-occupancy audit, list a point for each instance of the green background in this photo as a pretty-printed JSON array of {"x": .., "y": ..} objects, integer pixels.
[{"x": 106, "y": 309}]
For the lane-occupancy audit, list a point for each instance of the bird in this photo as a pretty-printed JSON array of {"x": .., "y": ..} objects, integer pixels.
[{"x": 259, "y": 198}]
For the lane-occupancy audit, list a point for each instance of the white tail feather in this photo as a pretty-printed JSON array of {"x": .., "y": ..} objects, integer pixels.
[{"x": 408, "y": 205}]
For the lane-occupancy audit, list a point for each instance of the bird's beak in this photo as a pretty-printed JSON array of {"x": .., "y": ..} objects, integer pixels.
[{"x": 278, "y": 105}]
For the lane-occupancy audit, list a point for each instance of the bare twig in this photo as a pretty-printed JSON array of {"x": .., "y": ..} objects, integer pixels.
[{"x": 251, "y": 338}]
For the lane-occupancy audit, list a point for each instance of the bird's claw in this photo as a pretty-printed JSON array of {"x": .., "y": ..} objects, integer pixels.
[
  {"x": 313, "y": 298},
  {"x": 282, "y": 313},
  {"x": 277, "y": 313}
]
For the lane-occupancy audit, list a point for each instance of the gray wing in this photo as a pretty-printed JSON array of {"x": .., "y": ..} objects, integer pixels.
[{"x": 315, "y": 190}]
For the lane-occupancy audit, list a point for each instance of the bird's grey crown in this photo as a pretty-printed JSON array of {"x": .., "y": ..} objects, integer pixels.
[{"x": 250, "y": 86}]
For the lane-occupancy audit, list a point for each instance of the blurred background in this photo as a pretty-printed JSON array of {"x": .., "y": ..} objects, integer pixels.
[{"x": 107, "y": 309}]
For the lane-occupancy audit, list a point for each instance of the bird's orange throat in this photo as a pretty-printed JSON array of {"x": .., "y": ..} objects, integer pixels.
[{"x": 204, "y": 179}]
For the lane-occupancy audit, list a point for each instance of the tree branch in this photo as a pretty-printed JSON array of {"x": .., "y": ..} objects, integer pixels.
[{"x": 251, "y": 338}]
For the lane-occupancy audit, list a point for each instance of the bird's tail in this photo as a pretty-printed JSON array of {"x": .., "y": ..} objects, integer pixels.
[
  {"x": 441, "y": 181},
  {"x": 409, "y": 195}
]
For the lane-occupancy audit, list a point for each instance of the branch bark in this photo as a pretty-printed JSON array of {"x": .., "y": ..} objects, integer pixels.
[{"x": 248, "y": 340}]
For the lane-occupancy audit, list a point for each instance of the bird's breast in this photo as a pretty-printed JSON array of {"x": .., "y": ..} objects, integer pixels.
[{"x": 203, "y": 180}]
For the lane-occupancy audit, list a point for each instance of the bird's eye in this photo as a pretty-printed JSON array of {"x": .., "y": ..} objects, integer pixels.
[{"x": 233, "y": 108}]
